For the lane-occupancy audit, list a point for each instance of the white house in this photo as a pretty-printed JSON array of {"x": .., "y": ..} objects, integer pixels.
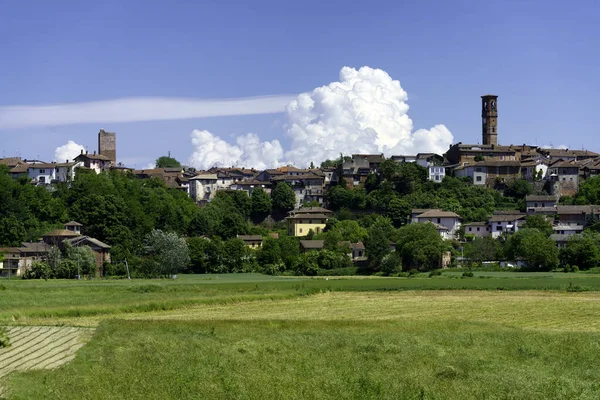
[
  {"x": 534, "y": 201},
  {"x": 436, "y": 173},
  {"x": 505, "y": 223},
  {"x": 568, "y": 229},
  {"x": 96, "y": 162},
  {"x": 41, "y": 173},
  {"x": 447, "y": 219},
  {"x": 477, "y": 229},
  {"x": 202, "y": 187}
]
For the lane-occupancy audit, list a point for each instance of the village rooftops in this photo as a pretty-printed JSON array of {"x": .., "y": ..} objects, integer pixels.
[
  {"x": 92, "y": 156},
  {"x": 95, "y": 242},
  {"x": 308, "y": 175},
  {"x": 61, "y": 233},
  {"x": 508, "y": 212},
  {"x": 437, "y": 227},
  {"x": 438, "y": 214},
  {"x": 311, "y": 210},
  {"x": 506, "y": 218},
  {"x": 204, "y": 177},
  {"x": 372, "y": 158},
  {"x": 10, "y": 161},
  {"x": 73, "y": 223},
  {"x": 250, "y": 238},
  {"x": 540, "y": 198},
  {"x": 307, "y": 216},
  {"x": 475, "y": 224},
  {"x": 312, "y": 244}
]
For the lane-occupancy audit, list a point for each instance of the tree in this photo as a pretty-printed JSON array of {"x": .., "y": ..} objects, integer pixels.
[
  {"x": 236, "y": 256},
  {"x": 482, "y": 249},
  {"x": 377, "y": 245},
  {"x": 261, "y": 204},
  {"x": 350, "y": 230},
  {"x": 168, "y": 251},
  {"x": 534, "y": 247},
  {"x": 167, "y": 162},
  {"x": 519, "y": 189},
  {"x": 540, "y": 223},
  {"x": 420, "y": 246},
  {"x": 283, "y": 197},
  {"x": 399, "y": 210},
  {"x": 582, "y": 250}
]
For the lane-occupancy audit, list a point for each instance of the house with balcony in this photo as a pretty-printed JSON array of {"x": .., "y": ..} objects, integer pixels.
[
  {"x": 307, "y": 187},
  {"x": 505, "y": 222}
]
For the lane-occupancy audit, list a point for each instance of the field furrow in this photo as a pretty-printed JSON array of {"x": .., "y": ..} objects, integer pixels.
[{"x": 41, "y": 347}]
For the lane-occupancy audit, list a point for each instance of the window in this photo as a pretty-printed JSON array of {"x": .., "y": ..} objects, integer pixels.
[
  {"x": 478, "y": 179},
  {"x": 499, "y": 228},
  {"x": 477, "y": 229},
  {"x": 439, "y": 220},
  {"x": 42, "y": 171},
  {"x": 535, "y": 204},
  {"x": 310, "y": 221},
  {"x": 470, "y": 229},
  {"x": 300, "y": 230},
  {"x": 42, "y": 179}
]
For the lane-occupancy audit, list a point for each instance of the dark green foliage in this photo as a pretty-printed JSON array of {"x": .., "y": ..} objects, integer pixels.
[
  {"x": 482, "y": 249},
  {"x": 167, "y": 251},
  {"x": 261, "y": 204},
  {"x": 377, "y": 244},
  {"x": 167, "y": 162},
  {"x": 283, "y": 197},
  {"x": 582, "y": 251},
  {"x": 4, "y": 341},
  {"x": 420, "y": 246},
  {"x": 519, "y": 189},
  {"x": 467, "y": 274},
  {"x": 534, "y": 247},
  {"x": 589, "y": 192},
  {"x": 540, "y": 223}
]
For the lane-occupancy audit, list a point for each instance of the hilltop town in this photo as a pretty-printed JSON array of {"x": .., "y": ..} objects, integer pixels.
[{"x": 521, "y": 180}]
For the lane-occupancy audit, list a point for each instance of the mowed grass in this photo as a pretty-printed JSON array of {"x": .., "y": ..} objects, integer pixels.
[
  {"x": 52, "y": 302},
  {"x": 257, "y": 337},
  {"x": 291, "y": 359}
]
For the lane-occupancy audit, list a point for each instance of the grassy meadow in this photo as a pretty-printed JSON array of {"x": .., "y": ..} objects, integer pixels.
[{"x": 494, "y": 336}]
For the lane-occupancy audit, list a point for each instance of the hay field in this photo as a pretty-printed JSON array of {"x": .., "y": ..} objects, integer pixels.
[{"x": 303, "y": 338}]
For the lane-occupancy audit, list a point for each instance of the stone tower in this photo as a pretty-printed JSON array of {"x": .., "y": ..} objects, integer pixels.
[
  {"x": 489, "y": 116},
  {"x": 107, "y": 145}
]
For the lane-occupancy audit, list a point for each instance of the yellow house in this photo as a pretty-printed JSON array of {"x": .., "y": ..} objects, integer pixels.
[{"x": 301, "y": 221}]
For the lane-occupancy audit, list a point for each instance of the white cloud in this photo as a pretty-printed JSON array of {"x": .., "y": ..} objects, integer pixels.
[
  {"x": 249, "y": 151},
  {"x": 550, "y": 146},
  {"x": 364, "y": 112},
  {"x": 137, "y": 109},
  {"x": 67, "y": 151}
]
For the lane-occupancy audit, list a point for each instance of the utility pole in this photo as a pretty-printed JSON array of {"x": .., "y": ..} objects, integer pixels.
[{"x": 127, "y": 266}]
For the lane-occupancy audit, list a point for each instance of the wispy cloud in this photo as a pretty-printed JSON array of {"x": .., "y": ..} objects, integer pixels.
[{"x": 136, "y": 109}]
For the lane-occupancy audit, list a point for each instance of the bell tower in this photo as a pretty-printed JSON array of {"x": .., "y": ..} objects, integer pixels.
[{"x": 489, "y": 119}]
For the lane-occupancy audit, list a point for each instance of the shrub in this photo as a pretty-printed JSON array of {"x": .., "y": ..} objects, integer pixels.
[
  {"x": 467, "y": 274},
  {"x": 413, "y": 272},
  {"x": 571, "y": 268},
  {"x": 4, "y": 342},
  {"x": 436, "y": 272}
]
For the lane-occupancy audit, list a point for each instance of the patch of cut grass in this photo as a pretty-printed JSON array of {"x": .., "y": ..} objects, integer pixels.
[{"x": 322, "y": 360}]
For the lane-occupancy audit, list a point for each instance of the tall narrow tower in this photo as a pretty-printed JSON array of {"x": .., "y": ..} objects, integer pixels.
[
  {"x": 107, "y": 145},
  {"x": 489, "y": 117}
]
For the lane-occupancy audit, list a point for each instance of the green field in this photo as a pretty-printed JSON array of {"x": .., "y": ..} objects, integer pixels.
[{"x": 501, "y": 335}]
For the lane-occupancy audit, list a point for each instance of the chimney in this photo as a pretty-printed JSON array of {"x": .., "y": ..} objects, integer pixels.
[
  {"x": 81, "y": 151},
  {"x": 94, "y": 152}
]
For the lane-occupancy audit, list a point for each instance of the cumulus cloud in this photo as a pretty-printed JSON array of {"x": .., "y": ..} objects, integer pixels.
[
  {"x": 137, "y": 109},
  {"x": 67, "y": 151},
  {"x": 364, "y": 112},
  {"x": 249, "y": 151}
]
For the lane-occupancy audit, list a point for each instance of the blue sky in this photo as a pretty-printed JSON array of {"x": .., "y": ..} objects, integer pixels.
[{"x": 540, "y": 57}]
